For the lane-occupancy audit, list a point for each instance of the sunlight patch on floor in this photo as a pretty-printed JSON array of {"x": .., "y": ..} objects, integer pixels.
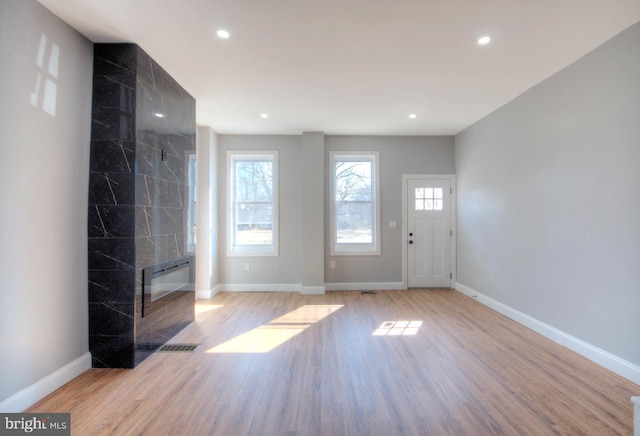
[
  {"x": 204, "y": 308},
  {"x": 268, "y": 336},
  {"x": 398, "y": 328}
]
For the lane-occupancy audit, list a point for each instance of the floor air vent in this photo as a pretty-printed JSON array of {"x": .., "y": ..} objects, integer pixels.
[
  {"x": 368, "y": 292},
  {"x": 188, "y": 348}
]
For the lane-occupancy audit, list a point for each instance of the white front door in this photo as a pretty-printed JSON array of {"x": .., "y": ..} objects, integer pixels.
[{"x": 428, "y": 232}]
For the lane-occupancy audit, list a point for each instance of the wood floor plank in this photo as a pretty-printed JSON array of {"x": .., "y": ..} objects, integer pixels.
[{"x": 290, "y": 364}]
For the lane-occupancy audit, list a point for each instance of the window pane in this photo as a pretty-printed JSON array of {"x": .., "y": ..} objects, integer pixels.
[
  {"x": 354, "y": 223},
  {"x": 353, "y": 181},
  {"x": 253, "y": 203},
  {"x": 437, "y": 193},
  {"x": 254, "y": 224},
  {"x": 254, "y": 236},
  {"x": 437, "y": 204},
  {"x": 429, "y": 204},
  {"x": 254, "y": 181},
  {"x": 428, "y": 192},
  {"x": 354, "y": 185},
  {"x": 252, "y": 214},
  {"x": 419, "y": 193},
  {"x": 420, "y": 204}
]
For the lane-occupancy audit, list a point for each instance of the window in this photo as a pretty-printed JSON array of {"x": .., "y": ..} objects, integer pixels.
[
  {"x": 354, "y": 207},
  {"x": 253, "y": 203},
  {"x": 428, "y": 198}
]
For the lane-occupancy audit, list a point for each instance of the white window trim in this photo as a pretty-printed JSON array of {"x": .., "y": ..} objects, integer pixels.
[
  {"x": 372, "y": 249},
  {"x": 270, "y": 250}
]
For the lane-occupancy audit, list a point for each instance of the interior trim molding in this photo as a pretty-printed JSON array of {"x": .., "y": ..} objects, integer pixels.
[
  {"x": 258, "y": 287},
  {"x": 636, "y": 415},
  {"x": 365, "y": 286},
  {"x": 43, "y": 387},
  {"x": 295, "y": 287},
  {"x": 312, "y": 290},
  {"x": 205, "y": 294},
  {"x": 597, "y": 355}
]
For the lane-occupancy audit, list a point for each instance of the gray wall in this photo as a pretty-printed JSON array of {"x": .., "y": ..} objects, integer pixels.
[
  {"x": 398, "y": 155},
  {"x": 312, "y": 212},
  {"x": 282, "y": 269},
  {"x": 549, "y": 200},
  {"x": 44, "y": 161}
]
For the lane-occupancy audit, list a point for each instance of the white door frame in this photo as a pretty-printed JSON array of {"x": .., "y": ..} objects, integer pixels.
[{"x": 405, "y": 237}]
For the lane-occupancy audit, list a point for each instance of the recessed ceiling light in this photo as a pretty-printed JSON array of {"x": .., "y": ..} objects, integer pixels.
[
  {"x": 412, "y": 116},
  {"x": 222, "y": 34},
  {"x": 159, "y": 115},
  {"x": 484, "y": 40},
  {"x": 264, "y": 116}
]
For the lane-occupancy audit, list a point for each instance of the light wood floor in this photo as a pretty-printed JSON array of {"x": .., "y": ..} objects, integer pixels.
[{"x": 465, "y": 370}]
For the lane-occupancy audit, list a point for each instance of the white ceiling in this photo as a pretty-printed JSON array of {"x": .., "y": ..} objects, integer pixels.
[{"x": 353, "y": 66}]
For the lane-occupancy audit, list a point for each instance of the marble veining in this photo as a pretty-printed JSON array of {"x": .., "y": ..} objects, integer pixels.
[{"x": 112, "y": 156}]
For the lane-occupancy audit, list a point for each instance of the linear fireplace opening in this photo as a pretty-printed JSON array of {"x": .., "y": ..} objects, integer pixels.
[{"x": 161, "y": 280}]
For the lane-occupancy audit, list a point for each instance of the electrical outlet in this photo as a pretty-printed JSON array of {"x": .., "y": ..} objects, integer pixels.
[
  {"x": 333, "y": 264},
  {"x": 246, "y": 267}
]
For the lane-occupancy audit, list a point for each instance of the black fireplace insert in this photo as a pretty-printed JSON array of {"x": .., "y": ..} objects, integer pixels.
[{"x": 163, "y": 279}]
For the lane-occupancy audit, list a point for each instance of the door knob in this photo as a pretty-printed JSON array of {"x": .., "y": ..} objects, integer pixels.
[{"x": 410, "y": 241}]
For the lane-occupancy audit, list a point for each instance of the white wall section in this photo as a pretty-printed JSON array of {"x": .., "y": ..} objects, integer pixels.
[{"x": 207, "y": 212}]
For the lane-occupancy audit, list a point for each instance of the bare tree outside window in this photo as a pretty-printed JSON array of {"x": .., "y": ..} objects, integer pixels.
[
  {"x": 354, "y": 209},
  {"x": 253, "y": 212}
]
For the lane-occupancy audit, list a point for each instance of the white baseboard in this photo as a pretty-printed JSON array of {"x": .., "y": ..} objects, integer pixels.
[
  {"x": 377, "y": 286},
  {"x": 295, "y": 287},
  {"x": 636, "y": 415},
  {"x": 312, "y": 290},
  {"x": 603, "y": 358},
  {"x": 204, "y": 294},
  {"x": 43, "y": 387},
  {"x": 258, "y": 287}
]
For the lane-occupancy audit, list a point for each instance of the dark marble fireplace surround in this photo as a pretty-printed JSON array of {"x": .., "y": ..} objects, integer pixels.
[{"x": 138, "y": 202}]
